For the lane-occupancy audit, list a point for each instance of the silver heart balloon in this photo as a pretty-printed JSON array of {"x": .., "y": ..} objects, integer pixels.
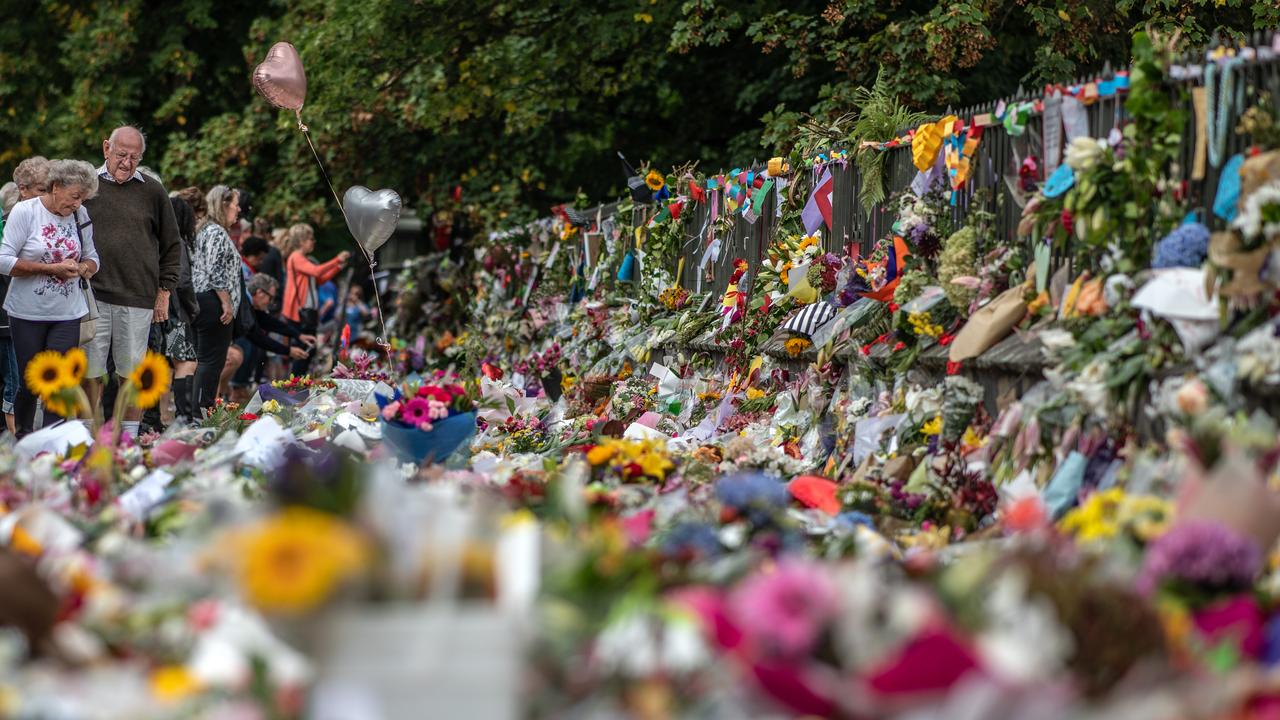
[{"x": 371, "y": 215}]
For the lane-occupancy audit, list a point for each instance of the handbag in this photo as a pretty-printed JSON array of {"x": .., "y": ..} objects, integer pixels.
[
  {"x": 88, "y": 323},
  {"x": 243, "y": 322}
]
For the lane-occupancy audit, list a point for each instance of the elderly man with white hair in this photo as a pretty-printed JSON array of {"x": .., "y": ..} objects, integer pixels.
[{"x": 137, "y": 238}]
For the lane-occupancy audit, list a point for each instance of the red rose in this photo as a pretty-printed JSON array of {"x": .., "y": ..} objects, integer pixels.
[
  {"x": 248, "y": 417},
  {"x": 893, "y": 307},
  {"x": 866, "y": 349},
  {"x": 433, "y": 392},
  {"x": 899, "y": 346},
  {"x": 953, "y": 368},
  {"x": 945, "y": 340}
]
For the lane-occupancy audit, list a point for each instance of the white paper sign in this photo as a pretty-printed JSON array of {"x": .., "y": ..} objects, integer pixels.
[
  {"x": 263, "y": 444},
  {"x": 57, "y": 440},
  {"x": 139, "y": 499}
]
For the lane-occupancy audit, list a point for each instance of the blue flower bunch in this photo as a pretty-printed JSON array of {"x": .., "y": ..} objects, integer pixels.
[
  {"x": 691, "y": 538},
  {"x": 1186, "y": 246},
  {"x": 751, "y": 490}
]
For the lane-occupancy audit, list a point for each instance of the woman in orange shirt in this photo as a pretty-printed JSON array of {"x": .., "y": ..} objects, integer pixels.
[{"x": 302, "y": 275}]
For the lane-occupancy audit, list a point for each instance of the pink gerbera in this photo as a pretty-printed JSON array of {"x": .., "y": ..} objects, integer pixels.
[{"x": 416, "y": 411}]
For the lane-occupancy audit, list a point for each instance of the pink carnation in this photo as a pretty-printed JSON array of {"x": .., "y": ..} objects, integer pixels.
[{"x": 390, "y": 410}]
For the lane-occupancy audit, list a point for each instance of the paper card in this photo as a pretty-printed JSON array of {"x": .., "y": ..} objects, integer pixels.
[
  {"x": 138, "y": 500},
  {"x": 1075, "y": 119},
  {"x": 593, "y": 241},
  {"x": 636, "y": 431},
  {"x": 1177, "y": 293},
  {"x": 668, "y": 382},
  {"x": 1052, "y": 132}
]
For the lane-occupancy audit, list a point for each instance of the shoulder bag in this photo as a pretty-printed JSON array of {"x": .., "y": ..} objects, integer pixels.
[
  {"x": 89, "y": 323},
  {"x": 243, "y": 322}
]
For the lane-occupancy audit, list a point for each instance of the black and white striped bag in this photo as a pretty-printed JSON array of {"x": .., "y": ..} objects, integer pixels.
[{"x": 809, "y": 318}]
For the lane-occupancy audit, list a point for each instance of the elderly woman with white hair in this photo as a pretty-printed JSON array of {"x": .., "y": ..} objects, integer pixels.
[
  {"x": 32, "y": 177},
  {"x": 47, "y": 250}
]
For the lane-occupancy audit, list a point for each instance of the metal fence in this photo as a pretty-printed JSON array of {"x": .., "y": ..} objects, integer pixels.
[{"x": 994, "y": 170}]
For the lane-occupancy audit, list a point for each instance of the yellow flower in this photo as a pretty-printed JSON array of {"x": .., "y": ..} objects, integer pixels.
[
  {"x": 795, "y": 346},
  {"x": 601, "y": 454},
  {"x": 293, "y": 560},
  {"x": 654, "y": 180},
  {"x": 58, "y": 406},
  {"x": 932, "y": 427},
  {"x": 654, "y": 464},
  {"x": 74, "y": 364},
  {"x": 271, "y": 406},
  {"x": 45, "y": 374},
  {"x": 173, "y": 683},
  {"x": 972, "y": 439},
  {"x": 808, "y": 242},
  {"x": 150, "y": 380},
  {"x": 754, "y": 393}
]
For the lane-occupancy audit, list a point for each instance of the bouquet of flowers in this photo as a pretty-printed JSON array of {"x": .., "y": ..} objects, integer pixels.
[
  {"x": 428, "y": 420},
  {"x": 629, "y": 460},
  {"x": 362, "y": 367}
]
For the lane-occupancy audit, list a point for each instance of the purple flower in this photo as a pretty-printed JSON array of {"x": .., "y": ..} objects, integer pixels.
[
  {"x": 1205, "y": 554},
  {"x": 784, "y": 612}
]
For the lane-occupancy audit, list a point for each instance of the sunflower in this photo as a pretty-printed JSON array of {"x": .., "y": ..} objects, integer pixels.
[
  {"x": 150, "y": 380},
  {"x": 293, "y": 561},
  {"x": 74, "y": 364},
  {"x": 654, "y": 180},
  {"x": 45, "y": 374},
  {"x": 58, "y": 406}
]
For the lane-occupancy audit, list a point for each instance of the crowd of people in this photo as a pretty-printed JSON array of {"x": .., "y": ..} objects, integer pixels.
[{"x": 181, "y": 273}]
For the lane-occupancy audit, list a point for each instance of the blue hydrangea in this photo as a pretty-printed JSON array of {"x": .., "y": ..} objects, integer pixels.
[
  {"x": 695, "y": 538},
  {"x": 851, "y": 519},
  {"x": 1186, "y": 246},
  {"x": 745, "y": 490}
]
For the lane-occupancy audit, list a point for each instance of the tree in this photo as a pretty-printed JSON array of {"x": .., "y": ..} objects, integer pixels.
[{"x": 947, "y": 52}]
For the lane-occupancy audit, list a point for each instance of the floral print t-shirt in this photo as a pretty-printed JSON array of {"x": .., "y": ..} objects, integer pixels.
[
  {"x": 216, "y": 265},
  {"x": 35, "y": 234}
]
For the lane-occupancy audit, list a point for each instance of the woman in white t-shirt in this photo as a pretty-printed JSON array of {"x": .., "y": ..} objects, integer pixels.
[{"x": 47, "y": 250}]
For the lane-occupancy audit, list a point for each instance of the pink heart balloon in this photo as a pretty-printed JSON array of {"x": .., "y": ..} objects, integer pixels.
[{"x": 281, "y": 79}]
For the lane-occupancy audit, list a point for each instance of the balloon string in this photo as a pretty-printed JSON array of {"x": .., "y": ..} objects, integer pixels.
[{"x": 377, "y": 297}]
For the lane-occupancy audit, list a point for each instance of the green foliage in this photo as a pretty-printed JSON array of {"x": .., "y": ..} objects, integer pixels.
[
  {"x": 521, "y": 104},
  {"x": 881, "y": 116}
]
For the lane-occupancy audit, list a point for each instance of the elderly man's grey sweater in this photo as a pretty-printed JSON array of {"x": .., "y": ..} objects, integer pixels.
[{"x": 137, "y": 239}]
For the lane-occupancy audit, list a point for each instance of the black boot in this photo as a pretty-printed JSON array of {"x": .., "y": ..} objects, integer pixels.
[
  {"x": 182, "y": 399},
  {"x": 151, "y": 421}
]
